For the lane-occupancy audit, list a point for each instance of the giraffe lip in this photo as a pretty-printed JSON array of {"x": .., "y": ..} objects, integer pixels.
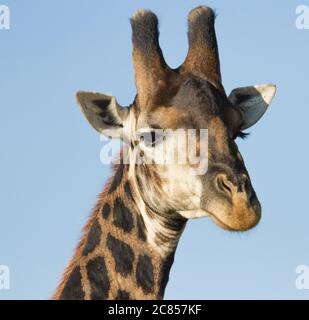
[{"x": 225, "y": 226}]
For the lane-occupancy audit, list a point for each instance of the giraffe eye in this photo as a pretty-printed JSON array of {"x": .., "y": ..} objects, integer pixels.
[{"x": 151, "y": 138}]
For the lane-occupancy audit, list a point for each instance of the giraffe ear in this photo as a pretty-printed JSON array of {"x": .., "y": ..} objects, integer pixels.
[
  {"x": 252, "y": 101},
  {"x": 103, "y": 113}
]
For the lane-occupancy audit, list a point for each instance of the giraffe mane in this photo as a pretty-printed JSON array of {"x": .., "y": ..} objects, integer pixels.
[{"x": 85, "y": 230}]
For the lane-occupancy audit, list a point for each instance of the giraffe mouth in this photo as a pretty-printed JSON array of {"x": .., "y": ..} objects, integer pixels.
[
  {"x": 239, "y": 225},
  {"x": 220, "y": 223}
]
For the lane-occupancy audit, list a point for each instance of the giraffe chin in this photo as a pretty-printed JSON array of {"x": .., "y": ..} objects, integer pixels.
[
  {"x": 234, "y": 224},
  {"x": 221, "y": 224},
  {"x": 243, "y": 221}
]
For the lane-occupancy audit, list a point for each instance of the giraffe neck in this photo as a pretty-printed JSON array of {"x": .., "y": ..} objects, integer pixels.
[{"x": 127, "y": 250}]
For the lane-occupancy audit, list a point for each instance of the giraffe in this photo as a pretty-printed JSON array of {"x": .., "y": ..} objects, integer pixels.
[{"x": 129, "y": 243}]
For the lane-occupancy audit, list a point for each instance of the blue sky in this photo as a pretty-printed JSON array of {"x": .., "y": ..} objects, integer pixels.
[{"x": 50, "y": 171}]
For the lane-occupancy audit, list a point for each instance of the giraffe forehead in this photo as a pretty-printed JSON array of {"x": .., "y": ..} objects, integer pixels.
[
  {"x": 168, "y": 117},
  {"x": 195, "y": 102}
]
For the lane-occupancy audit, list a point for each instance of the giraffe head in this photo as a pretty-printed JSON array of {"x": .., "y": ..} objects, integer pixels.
[{"x": 188, "y": 98}]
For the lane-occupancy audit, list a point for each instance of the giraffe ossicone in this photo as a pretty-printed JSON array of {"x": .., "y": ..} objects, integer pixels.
[{"x": 129, "y": 243}]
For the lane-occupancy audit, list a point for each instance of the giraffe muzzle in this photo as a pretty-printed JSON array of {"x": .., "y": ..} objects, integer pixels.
[{"x": 232, "y": 203}]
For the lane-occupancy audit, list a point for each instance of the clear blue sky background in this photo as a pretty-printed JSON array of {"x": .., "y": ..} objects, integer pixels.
[{"x": 50, "y": 171}]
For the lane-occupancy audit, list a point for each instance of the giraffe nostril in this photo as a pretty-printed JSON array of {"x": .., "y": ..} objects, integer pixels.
[{"x": 224, "y": 185}]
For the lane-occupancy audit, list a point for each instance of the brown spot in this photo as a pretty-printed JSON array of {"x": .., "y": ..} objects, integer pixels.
[
  {"x": 140, "y": 227},
  {"x": 117, "y": 179},
  {"x": 128, "y": 191},
  {"x": 165, "y": 271},
  {"x": 73, "y": 287},
  {"x": 94, "y": 238},
  {"x": 106, "y": 210},
  {"x": 122, "y": 254},
  {"x": 122, "y": 216},
  {"x": 98, "y": 278},
  {"x": 144, "y": 273},
  {"x": 122, "y": 295}
]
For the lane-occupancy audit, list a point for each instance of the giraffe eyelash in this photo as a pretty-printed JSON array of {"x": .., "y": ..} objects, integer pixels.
[{"x": 242, "y": 135}]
